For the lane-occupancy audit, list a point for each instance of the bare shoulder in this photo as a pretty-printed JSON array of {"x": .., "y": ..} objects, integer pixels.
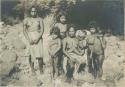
[
  {"x": 59, "y": 40},
  {"x": 65, "y": 39},
  {"x": 57, "y": 24},
  {"x": 89, "y": 37},
  {"x": 26, "y": 19},
  {"x": 40, "y": 19}
]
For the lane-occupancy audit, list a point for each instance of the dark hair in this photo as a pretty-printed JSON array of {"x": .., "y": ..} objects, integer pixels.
[
  {"x": 84, "y": 32},
  {"x": 55, "y": 30},
  {"x": 36, "y": 8},
  {"x": 58, "y": 17},
  {"x": 102, "y": 31},
  {"x": 71, "y": 25}
]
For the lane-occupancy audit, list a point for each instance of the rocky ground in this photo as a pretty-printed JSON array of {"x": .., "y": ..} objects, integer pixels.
[{"x": 15, "y": 70}]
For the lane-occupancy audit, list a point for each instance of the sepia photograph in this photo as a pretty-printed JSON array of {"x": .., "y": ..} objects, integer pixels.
[{"x": 62, "y": 43}]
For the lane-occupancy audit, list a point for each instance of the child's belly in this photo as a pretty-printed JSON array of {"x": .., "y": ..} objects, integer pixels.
[{"x": 55, "y": 46}]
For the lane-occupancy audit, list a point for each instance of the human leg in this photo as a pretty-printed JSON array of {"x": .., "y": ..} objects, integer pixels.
[
  {"x": 40, "y": 64},
  {"x": 65, "y": 64},
  {"x": 56, "y": 68},
  {"x": 101, "y": 59},
  {"x": 70, "y": 71},
  {"x": 89, "y": 61},
  {"x": 31, "y": 65}
]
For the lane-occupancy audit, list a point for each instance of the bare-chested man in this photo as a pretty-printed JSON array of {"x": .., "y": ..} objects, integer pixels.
[{"x": 33, "y": 32}]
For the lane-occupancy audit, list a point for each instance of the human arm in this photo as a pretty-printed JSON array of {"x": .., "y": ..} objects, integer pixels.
[
  {"x": 64, "y": 48},
  {"x": 78, "y": 52},
  {"x": 41, "y": 26},
  {"x": 25, "y": 27},
  {"x": 103, "y": 42},
  {"x": 81, "y": 51},
  {"x": 49, "y": 47},
  {"x": 58, "y": 48},
  {"x": 76, "y": 48}
]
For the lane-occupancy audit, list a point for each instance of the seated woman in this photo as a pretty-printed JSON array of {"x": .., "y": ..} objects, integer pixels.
[{"x": 71, "y": 53}]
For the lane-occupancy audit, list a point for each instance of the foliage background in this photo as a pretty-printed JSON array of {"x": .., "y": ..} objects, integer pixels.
[{"x": 105, "y": 13}]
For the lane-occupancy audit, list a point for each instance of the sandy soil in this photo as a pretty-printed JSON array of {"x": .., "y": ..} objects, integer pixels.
[{"x": 13, "y": 42}]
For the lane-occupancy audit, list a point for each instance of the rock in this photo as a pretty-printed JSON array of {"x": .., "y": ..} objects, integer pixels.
[
  {"x": 13, "y": 39},
  {"x": 114, "y": 58},
  {"x": 113, "y": 71},
  {"x": 6, "y": 68},
  {"x": 18, "y": 44},
  {"x": 8, "y": 56},
  {"x": 8, "y": 59},
  {"x": 3, "y": 47}
]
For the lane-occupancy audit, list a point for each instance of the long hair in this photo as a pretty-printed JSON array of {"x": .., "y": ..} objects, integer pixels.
[
  {"x": 36, "y": 8},
  {"x": 58, "y": 16},
  {"x": 55, "y": 30},
  {"x": 71, "y": 25}
]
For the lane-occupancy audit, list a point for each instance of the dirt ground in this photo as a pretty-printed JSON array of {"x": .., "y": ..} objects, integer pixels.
[{"x": 15, "y": 69}]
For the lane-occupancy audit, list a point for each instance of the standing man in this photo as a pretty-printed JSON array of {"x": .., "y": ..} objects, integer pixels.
[{"x": 33, "y": 32}]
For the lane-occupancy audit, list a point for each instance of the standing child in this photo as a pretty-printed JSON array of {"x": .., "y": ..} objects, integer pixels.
[
  {"x": 62, "y": 26},
  {"x": 54, "y": 50},
  {"x": 96, "y": 48}
]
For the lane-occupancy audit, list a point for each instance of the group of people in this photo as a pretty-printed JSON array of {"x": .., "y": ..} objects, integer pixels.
[{"x": 71, "y": 50}]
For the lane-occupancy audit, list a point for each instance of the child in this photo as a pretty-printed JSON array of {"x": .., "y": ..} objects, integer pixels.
[
  {"x": 82, "y": 44},
  {"x": 96, "y": 47},
  {"x": 82, "y": 47},
  {"x": 54, "y": 48},
  {"x": 62, "y": 26}
]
